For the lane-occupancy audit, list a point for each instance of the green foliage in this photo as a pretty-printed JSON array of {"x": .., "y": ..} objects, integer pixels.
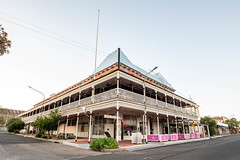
[
  {"x": 232, "y": 123},
  {"x": 5, "y": 44},
  {"x": 47, "y": 123},
  {"x": 97, "y": 144},
  {"x": 1, "y": 120},
  {"x": 43, "y": 136},
  {"x": 38, "y": 135},
  {"x": 15, "y": 125},
  {"x": 69, "y": 136},
  {"x": 211, "y": 123},
  {"x": 101, "y": 143}
]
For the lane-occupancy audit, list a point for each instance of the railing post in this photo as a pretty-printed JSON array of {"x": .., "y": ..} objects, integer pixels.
[
  {"x": 90, "y": 127},
  {"x": 168, "y": 127}
]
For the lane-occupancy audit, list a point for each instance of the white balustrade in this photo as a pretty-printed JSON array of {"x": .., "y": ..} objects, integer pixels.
[
  {"x": 178, "y": 109},
  {"x": 64, "y": 107},
  {"x": 150, "y": 101},
  {"x": 74, "y": 104},
  {"x": 161, "y": 104},
  {"x": 85, "y": 101},
  {"x": 125, "y": 94},
  {"x": 170, "y": 106},
  {"x": 105, "y": 95}
]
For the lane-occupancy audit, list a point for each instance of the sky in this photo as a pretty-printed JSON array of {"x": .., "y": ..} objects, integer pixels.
[{"x": 195, "y": 45}]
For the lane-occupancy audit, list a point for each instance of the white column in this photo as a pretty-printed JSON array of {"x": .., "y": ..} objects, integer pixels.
[
  {"x": 176, "y": 126},
  {"x": 189, "y": 127},
  {"x": 158, "y": 125},
  {"x": 143, "y": 126},
  {"x": 204, "y": 131},
  {"x": 198, "y": 128},
  {"x": 208, "y": 131},
  {"x": 77, "y": 127},
  {"x": 58, "y": 129},
  {"x": 90, "y": 128},
  {"x": 146, "y": 127},
  {"x": 93, "y": 92},
  {"x": 168, "y": 128},
  {"x": 183, "y": 127},
  {"x": 117, "y": 123},
  {"x": 66, "y": 128}
]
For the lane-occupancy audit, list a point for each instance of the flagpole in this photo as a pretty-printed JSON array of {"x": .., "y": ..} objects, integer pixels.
[{"x": 95, "y": 65}]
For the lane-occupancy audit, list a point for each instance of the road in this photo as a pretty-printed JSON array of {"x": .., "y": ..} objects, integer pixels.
[
  {"x": 225, "y": 148},
  {"x": 13, "y": 147}
]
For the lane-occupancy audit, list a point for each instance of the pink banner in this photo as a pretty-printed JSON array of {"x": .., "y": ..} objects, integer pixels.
[
  {"x": 163, "y": 137},
  {"x": 153, "y": 137},
  {"x": 181, "y": 136},
  {"x": 187, "y": 136},
  {"x": 174, "y": 137},
  {"x": 198, "y": 136},
  {"x": 193, "y": 136}
]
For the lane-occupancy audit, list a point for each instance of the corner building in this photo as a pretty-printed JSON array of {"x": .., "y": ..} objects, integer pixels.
[{"x": 123, "y": 99}]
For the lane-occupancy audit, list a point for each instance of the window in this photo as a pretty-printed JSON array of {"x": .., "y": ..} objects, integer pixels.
[
  {"x": 129, "y": 124},
  {"x": 52, "y": 105},
  {"x": 65, "y": 100},
  {"x": 74, "y": 97},
  {"x": 58, "y": 103},
  {"x": 98, "y": 125}
]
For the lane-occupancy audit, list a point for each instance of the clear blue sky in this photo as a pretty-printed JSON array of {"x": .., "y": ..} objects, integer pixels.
[{"x": 195, "y": 44}]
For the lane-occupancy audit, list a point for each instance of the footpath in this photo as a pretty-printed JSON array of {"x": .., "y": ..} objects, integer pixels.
[{"x": 124, "y": 145}]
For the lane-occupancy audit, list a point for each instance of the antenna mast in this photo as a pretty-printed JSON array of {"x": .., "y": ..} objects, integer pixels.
[{"x": 95, "y": 65}]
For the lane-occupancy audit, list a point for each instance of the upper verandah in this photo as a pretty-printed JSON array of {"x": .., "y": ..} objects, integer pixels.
[{"x": 114, "y": 61}]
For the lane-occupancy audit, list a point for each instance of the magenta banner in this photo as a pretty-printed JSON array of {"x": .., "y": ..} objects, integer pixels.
[
  {"x": 153, "y": 137},
  {"x": 181, "y": 136},
  {"x": 163, "y": 137},
  {"x": 187, "y": 136},
  {"x": 174, "y": 137},
  {"x": 193, "y": 136},
  {"x": 198, "y": 136}
]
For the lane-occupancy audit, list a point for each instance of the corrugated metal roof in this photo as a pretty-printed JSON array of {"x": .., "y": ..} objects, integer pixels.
[{"x": 112, "y": 58}]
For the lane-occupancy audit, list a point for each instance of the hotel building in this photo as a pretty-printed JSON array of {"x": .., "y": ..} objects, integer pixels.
[{"x": 121, "y": 99}]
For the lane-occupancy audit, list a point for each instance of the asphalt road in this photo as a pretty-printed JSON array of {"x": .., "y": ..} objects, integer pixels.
[
  {"x": 225, "y": 148},
  {"x": 13, "y": 147}
]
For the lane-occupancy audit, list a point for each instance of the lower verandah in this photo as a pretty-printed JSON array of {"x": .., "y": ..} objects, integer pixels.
[{"x": 130, "y": 122}]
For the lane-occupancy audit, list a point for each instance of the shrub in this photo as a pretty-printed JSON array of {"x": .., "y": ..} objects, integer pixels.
[
  {"x": 16, "y": 131},
  {"x": 101, "y": 143},
  {"x": 43, "y": 136},
  {"x": 97, "y": 144},
  {"x": 38, "y": 135},
  {"x": 15, "y": 125},
  {"x": 110, "y": 143}
]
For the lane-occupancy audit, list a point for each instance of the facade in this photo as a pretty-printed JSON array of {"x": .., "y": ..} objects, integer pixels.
[
  {"x": 220, "y": 119},
  {"x": 6, "y": 114},
  {"x": 121, "y": 99}
]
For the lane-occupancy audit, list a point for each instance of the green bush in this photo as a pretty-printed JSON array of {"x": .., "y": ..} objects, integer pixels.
[
  {"x": 38, "y": 135},
  {"x": 101, "y": 143},
  {"x": 43, "y": 136},
  {"x": 16, "y": 131},
  {"x": 15, "y": 125},
  {"x": 97, "y": 144},
  {"x": 110, "y": 143}
]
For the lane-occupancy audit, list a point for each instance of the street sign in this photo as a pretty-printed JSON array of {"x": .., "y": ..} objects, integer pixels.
[{"x": 193, "y": 125}]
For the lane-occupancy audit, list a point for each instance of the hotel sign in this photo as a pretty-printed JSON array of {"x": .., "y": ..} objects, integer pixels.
[{"x": 110, "y": 117}]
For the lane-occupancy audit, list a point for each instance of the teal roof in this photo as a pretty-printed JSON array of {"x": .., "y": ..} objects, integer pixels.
[{"x": 112, "y": 58}]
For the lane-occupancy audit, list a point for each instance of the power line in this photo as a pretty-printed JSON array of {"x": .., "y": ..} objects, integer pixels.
[
  {"x": 46, "y": 30},
  {"x": 56, "y": 38}
]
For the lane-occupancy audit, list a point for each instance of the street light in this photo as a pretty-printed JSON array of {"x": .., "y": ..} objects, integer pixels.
[
  {"x": 42, "y": 95},
  {"x": 145, "y": 106}
]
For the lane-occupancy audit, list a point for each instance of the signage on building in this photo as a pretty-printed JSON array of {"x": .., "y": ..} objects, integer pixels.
[
  {"x": 110, "y": 116},
  {"x": 193, "y": 125}
]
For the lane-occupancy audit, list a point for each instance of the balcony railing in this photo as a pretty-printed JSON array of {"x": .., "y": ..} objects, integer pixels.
[
  {"x": 125, "y": 94},
  {"x": 105, "y": 95},
  {"x": 74, "y": 104},
  {"x": 85, "y": 101},
  {"x": 150, "y": 101}
]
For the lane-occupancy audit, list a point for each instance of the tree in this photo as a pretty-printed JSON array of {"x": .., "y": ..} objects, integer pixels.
[
  {"x": 211, "y": 123},
  {"x": 232, "y": 124},
  {"x": 47, "y": 123},
  {"x": 15, "y": 125},
  {"x": 5, "y": 44},
  {"x": 1, "y": 121}
]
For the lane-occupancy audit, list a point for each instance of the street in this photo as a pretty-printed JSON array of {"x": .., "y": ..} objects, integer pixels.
[
  {"x": 21, "y": 148},
  {"x": 13, "y": 147},
  {"x": 224, "y": 148}
]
